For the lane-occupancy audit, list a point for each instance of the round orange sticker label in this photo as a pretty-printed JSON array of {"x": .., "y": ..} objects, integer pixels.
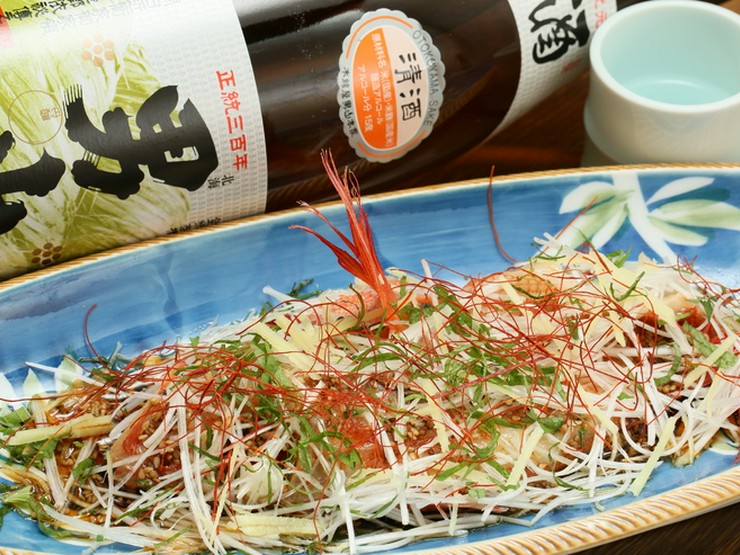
[{"x": 391, "y": 85}]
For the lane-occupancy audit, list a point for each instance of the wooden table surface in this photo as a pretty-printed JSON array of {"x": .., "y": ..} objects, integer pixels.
[{"x": 548, "y": 138}]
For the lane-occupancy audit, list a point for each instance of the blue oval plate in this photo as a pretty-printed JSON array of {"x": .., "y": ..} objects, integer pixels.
[{"x": 174, "y": 287}]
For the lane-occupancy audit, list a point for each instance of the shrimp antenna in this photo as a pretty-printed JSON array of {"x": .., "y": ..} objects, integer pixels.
[{"x": 360, "y": 257}]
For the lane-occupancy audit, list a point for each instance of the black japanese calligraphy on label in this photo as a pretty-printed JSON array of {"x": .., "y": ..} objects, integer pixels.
[
  {"x": 38, "y": 179},
  {"x": 557, "y": 32},
  {"x": 161, "y": 145}
]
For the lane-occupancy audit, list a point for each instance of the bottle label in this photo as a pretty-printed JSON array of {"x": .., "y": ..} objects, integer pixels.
[
  {"x": 391, "y": 85},
  {"x": 554, "y": 36},
  {"x": 113, "y": 128}
]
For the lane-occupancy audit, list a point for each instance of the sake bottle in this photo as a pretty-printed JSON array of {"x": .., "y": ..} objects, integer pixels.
[{"x": 122, "y": 120}]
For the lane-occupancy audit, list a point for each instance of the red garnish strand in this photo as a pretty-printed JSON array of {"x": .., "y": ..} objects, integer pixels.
[
  {"x": 491, "y": 219},
  {"x": 362, "y": 259}
]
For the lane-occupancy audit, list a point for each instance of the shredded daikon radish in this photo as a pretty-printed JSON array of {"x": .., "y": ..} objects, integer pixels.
[{"x": 437, "y": 406}]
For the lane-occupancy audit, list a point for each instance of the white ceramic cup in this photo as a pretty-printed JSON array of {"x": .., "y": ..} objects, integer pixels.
[{"x": 664, "y": 85}]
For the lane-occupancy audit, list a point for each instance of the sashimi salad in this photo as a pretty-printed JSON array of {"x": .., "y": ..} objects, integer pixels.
[{"x": 404, "y": 407}]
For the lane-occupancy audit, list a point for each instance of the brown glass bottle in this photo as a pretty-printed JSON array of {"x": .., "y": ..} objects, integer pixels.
[{"x": 295, "y": 46}]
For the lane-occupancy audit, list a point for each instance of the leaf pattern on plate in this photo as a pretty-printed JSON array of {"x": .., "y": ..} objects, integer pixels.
[
  {"x": 680, "y": 187},
  {"x": 604, "y": 208}
]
